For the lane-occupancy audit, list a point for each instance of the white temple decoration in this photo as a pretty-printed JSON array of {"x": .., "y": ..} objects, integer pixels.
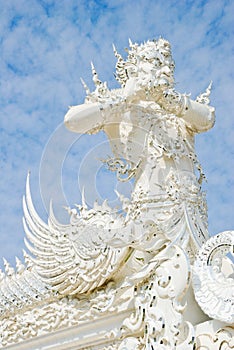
[
  {"x": 214, "y": 336},
  {"x": 156, "y": 297},
  {"x": 122, "y": 280},
  {"x": 72, "y": 258},
  {"x": 213, "y": 281}
]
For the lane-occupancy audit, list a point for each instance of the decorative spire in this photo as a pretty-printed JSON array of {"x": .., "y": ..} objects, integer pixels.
[
  {"x": 96, "y": 81},
  {"x": 85, "y": 86},
  {"x": 19, "y": 266},
  {"x": 120, "y": 75},
  {"x": 84, "y": 205},
  {"x": 28, "y": 260},
  {"x": 204, "y": 98},
  {"x": 9, "y": 270},
  {"x": 130, "y": 43}
]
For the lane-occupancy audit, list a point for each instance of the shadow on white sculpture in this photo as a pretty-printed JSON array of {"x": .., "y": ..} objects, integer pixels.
[{"x": 142, "y": 259}]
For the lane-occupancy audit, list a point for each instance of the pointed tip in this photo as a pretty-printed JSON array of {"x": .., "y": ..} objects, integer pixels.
[
  {"x": 17, "y": 260},
  {"x": 51, "y": 209},
  {"x": 28, "y": 178},
  {"x": 115, "y": 51},
  {"x": 9, "y": 270},
  {"x": 27, "y": 259},
  {"x": 83, "y": 200},
  {"x": 28, "y": 191},
  {"x": 19, "y": 265},
  {"x": 25, "y": 254},
  {"x": 85, "y": 86}
]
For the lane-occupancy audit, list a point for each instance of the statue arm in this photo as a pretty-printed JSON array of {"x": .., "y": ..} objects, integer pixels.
[
  {"x": 198, "y": 116},
  {"x": 86, "y": 118}
]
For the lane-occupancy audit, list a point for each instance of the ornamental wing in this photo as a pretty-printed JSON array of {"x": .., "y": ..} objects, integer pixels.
[{"x": 71, "y": 258}]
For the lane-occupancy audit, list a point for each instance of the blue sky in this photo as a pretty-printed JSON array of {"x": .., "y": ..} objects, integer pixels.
[{"x": 46, "y": 46}]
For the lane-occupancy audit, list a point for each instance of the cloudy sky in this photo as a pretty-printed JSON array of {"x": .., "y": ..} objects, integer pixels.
[{"x": 46, "y": 46}]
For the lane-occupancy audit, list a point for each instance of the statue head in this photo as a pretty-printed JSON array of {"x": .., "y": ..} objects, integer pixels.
[{"x": 149, "y": 61}]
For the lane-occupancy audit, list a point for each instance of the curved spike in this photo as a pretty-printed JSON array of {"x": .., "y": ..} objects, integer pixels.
[
  {"x": 205, "y": 96},
  {"x": 209, "y": 87},
  {"x": 117, "y": 55},
  {"x": 54, "y": 222},
  {"x": 96, "y": 81},
  {"x": 85, "y": 86},
  {"x": 120, "y": 74},
  {"x": 30, "y": 220},
  {"x": 114, "y": 48},
  {"x": 116, "y": 52},
  {"x": 130, "y": 43},
  {"x": 34, "y": 239},
  {"x": 30, "y": 206},
  {"x": 28, "y": 260},
  {"x": 38, "y": 252},
  {"x": 9, "y": 270},
  {"x": 84, "y": 205},
  {"x": 19, "y": 266}
]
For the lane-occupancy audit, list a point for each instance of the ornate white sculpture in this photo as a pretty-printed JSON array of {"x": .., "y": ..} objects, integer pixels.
[
  {"x": 134, "y": 265},
  {"x": 213, "y": 277},
  {"x": 151, "y": 127}
]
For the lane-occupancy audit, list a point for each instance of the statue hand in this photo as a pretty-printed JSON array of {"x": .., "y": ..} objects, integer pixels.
[
  {"x": 172, "y": 96},
  {"x": 173, "y": 101},
  {"x": 134, "y": 91}
]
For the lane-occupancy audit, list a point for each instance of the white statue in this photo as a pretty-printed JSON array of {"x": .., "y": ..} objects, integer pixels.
[
  {"x": 151, "y": 127},
  {"x": 143, "y": 255}
]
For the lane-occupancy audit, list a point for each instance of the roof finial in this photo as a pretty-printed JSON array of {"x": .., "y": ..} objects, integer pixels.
[
  {"x": 130, "y": 43},
  {"x": 19, "y": 266},
  {"x": 96, "y": 81},
  {"x": 9, "y": 270},
  {"x": 28, "y": 260},
  {"x": 85, "y": 86},
  {"x": 205, "y": 96}
]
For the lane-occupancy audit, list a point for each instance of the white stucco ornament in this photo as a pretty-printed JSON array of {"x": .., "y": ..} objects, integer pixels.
[
  {"x": 110, "y": 280},
  {"x": 213, "y": 277}
]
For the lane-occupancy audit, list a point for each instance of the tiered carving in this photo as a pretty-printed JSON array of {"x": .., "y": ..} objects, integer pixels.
[
  {"x": 21, "y": 288},
  {"x": 134, "y": 264},
  {"x": 61, "y": 313}
]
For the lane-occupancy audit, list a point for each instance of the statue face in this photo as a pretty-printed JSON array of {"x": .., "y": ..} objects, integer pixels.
[{"x": 151, "y": 61}]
